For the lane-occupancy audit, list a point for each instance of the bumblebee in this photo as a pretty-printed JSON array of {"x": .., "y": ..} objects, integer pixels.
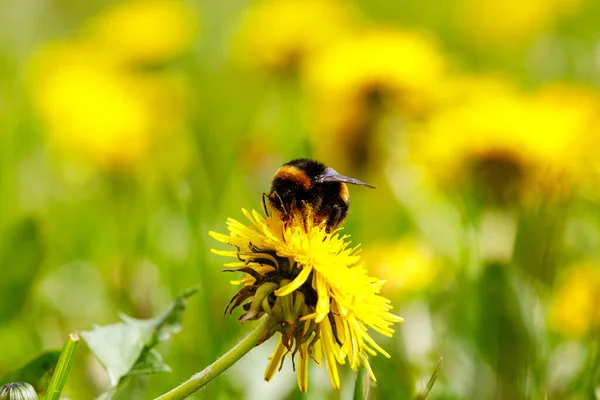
[{"x": 312, "y": 190}]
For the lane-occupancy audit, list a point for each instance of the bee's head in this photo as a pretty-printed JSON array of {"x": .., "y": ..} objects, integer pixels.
[{"x": 311, "y": 172}]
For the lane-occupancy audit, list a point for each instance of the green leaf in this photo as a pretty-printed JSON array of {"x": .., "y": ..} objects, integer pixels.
[
  {"x": 126, "y": 348},
  {"x": 434, "y": 376},
  {"x": 150, "y": 362},
  {"x": 118, "y": 347},
  {"x": 169, "y": 322},
  {"x": 37, "y": 372}
]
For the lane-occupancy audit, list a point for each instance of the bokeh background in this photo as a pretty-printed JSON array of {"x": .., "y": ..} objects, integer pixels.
[{"x": 130, "y": 129}]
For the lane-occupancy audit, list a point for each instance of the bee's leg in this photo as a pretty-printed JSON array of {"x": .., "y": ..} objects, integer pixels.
[
  {"x": 335, "y": 213},
  {"x": 275, "y": 195},
  {"x": 307, "y": 214},
  {"x": 264, "y": 203}
]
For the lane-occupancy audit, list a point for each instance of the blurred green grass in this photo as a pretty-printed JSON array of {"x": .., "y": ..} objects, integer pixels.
[{"x": 88, "y": 231}]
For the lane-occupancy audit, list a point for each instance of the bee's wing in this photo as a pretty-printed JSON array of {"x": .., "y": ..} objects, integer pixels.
[{"x": 331, "y": 175}]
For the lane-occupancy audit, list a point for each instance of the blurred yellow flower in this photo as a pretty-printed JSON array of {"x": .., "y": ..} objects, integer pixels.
[
  {"x": 94, "y": 109},
  {"x": 508, "y": 22},
  {"x": 508, "y": 145},
  {"x": 408, "y": 265},
  {"x": 314, "y": 286},
  {"x": 144, "y": 31},
  {"x": 575, "y": 308},
  {"x": 351, "y": 84},
  {"x": 579, "y": 111},
  {"x": 281, "y": 34},
  {"x": 89, "y": 107}
]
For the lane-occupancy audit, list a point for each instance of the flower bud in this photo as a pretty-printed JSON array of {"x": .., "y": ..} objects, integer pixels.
[{"x": 18, "y": 391}]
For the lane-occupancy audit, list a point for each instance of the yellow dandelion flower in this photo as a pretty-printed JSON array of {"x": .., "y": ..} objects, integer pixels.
[
  {"x": 511, "y": 146},
  {"x": 409, "y": 265},
  {"x": 351, "y": 84},
  {"x": 281, "y": 34},
  {"x": 509, "y": 22},
  {"x": 94, "y": 109},
  {"x": 144, "y": 31},
  {"x": 575, "y": 307},
  {"x": 314, "y": 285},
  {"x": 88, "y": 107},
  {"x": 578, "y": 108}
]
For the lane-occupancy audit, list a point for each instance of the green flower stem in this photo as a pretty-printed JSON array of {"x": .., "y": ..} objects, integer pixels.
[
  {"x": 362, "y": 385},
  {"x": 63, "y": 366},
  {"x": 201, "y": 379}
]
